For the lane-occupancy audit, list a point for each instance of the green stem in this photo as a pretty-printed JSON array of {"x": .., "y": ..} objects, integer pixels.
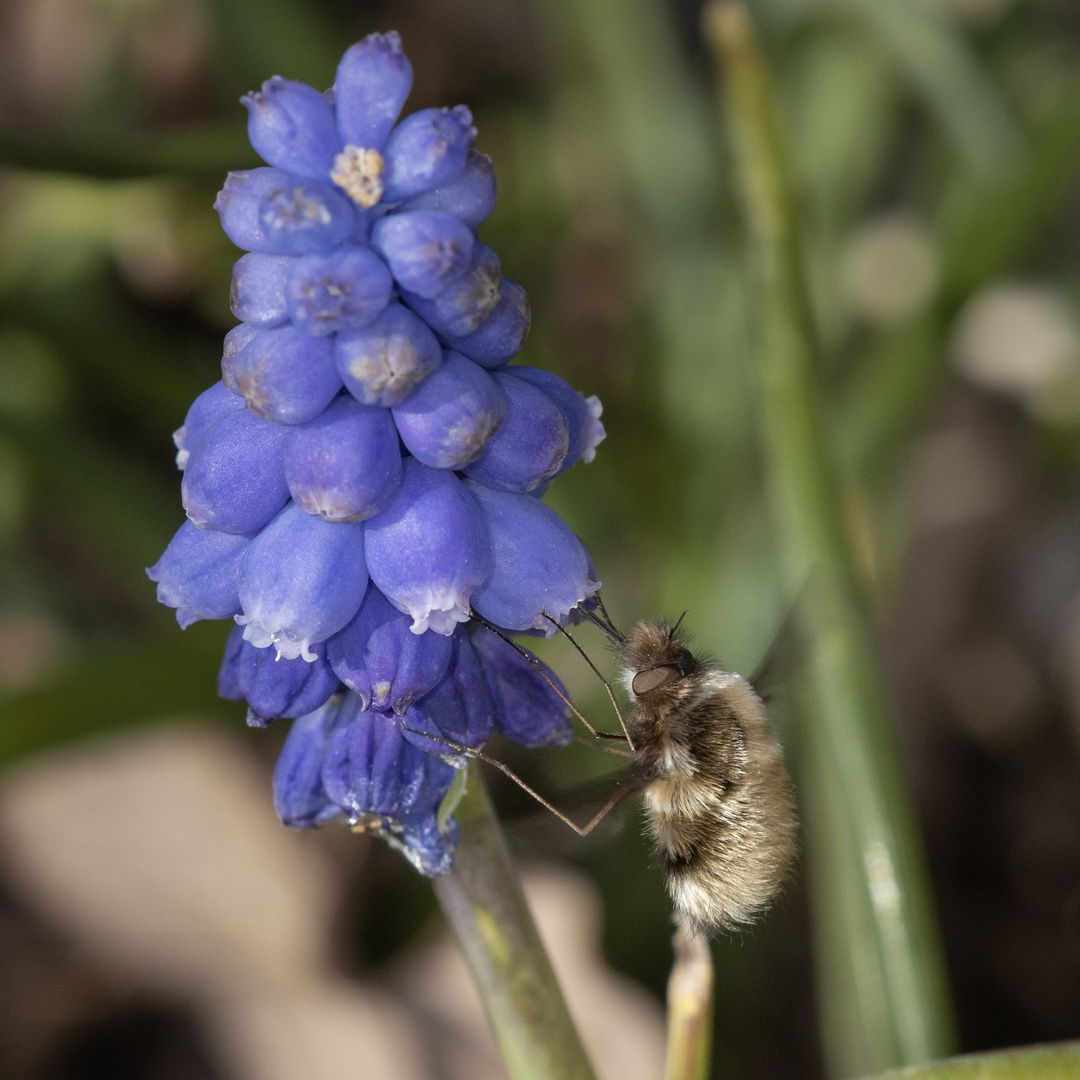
[
  {"x": 483, "y": 902},
  {"x": 882, "y": 988},
  {"x": 690, "y": 1007}
]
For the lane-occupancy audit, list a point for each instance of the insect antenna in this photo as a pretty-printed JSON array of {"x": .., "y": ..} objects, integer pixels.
[
  {"x": 547, "y": 678},
  {"x": 607, "y": 686},
  {"x": 487, "y": 759}
]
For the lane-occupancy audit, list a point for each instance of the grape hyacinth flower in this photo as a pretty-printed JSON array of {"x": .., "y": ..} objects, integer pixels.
[{"x": 365, "y": 479}]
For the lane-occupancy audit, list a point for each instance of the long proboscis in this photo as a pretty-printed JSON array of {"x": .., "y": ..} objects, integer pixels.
[{"x": 607, "y": 686}]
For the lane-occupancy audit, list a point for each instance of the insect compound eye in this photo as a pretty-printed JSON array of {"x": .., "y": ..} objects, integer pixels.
[{"x": 644, "y": 681}]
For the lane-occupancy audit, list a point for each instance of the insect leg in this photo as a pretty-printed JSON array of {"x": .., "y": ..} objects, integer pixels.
[
  {"x": 536, "y": 664},
  {"x": 606, "y": 749},
  {"x": 607, "y": 685},
  {"x": 479, "y": 755}
]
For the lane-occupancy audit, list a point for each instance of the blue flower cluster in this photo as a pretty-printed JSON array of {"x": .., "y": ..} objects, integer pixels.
[{"x": 367, "y": 473}]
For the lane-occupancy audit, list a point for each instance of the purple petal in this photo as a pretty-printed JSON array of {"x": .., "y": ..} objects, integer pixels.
[
  {"x": 291, "y": 126},
  {"x": 428, "y": 550},
  {"x": 198, "y": 574},
  {"x": 235, "y": 476},
  {"x": 449, "y": 418},
  {"x": 301, "y": 580},
  {"x": 345, "y": 465},
  {"x": 539, "y": 565},
  {"x": 530, "y": 444},
  {"x": 382, "y": 660},
  {"x": 383, "y": 363},
  {"x": 284, "y": 375}
]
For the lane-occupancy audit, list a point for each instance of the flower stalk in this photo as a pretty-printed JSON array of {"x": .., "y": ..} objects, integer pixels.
[
  {"x": 882, "y": 988},
  {"x": 690, "y": 1006},
  {"x": 482, "y": 900}
]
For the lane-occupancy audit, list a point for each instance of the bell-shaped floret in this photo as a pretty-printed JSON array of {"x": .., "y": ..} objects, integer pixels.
[
  {"x": 538, "y": 565},
  {"x": 341, "y": 290},
  {"x": 582, "y": 413},
  {"x": 235, "y": 476},
  {"x": 270, "y": 211},
  {"x": 447, "y": 420},
  {"x": 373, "y": 81},
  {"x": 467, "y": 302},
  {"x": 345, "y": 465},
  {"x": 425, "y": 150},
  {"x": 428, "y": 551},
  {"x": 369, "y": 767},
  {"x": 530, "y": 444},
  {"x": 258, "y": 288},
  {"x": 284, "y": 375},
  {"x": 198, "y": 574},
  {"x": 205, "y": 411},
  {"x": 458, "y": 710},
  {"x": 379, "y": 657},
  {"x": 503, "y": 332},
  {"x": 291, "y": 126},
  {"x": 425, "y": 249},
  {"x": 273, "y": 686},
  {"x": 301, "y": 580},
  {"x": 530, "y": 700},
  {"x": 383, "y": 363},
  {"x": 299, "y": 796},
  {"x": 470, "y": 196}
]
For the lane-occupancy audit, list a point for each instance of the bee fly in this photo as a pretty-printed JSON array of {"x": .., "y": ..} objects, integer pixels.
[{"x": 719, "y": 801}]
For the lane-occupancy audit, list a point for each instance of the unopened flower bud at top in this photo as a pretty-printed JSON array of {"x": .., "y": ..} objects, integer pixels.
[
  {"x": 447, "y": 420},
  {"x": 284, "y": 375},
  {"x": 425, "y": 150},
  {"x": 258, "y": 288},
  {"x": 273, "y": 686},
  {"x": 268, "y": 210},
  {"x": 385, "y": 361},
  {"x": 424, "y": 249},
  {"x": 429, "y": 550},
  {"x": 373, "y": 80},
  {"x": 301, "y": 580},
  {"x": 470, "y": 196},
  {"x": 291, "y": 126},
  {"x": 529, "y": 445},
  {"x": 502, "y": 333},
  {"x": 379, "y": 657},
  {"x": 467, "y": 302},
  {"x": 539, "y": 567},
  {"x": 345, "y": 465},
  {"x": 198, "y": 574},
  {"x": 343, "y": 289},
  {"x": 235, "y": 476}
]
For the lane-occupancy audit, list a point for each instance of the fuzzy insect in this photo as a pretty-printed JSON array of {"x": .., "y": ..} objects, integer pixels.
[{"x": 719, "y": 801}]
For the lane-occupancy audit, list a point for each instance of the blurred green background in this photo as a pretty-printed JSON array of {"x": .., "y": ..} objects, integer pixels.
[{"x": 936, "y": 145}]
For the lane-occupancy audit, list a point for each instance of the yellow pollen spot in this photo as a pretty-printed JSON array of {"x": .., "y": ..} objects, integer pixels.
[{"x": 358, "y": 172}]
